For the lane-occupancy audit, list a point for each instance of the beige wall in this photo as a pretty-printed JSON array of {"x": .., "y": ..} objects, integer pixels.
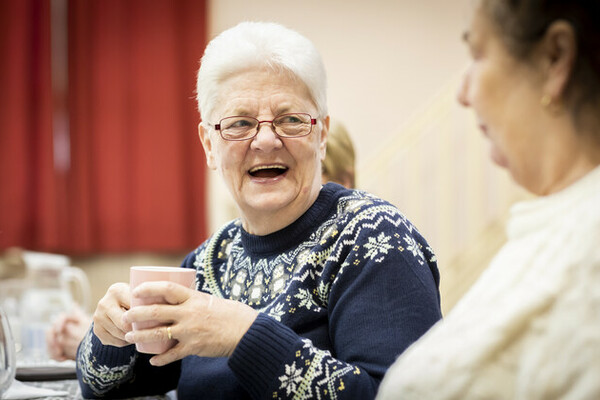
[{"x": 384, "y": 58}]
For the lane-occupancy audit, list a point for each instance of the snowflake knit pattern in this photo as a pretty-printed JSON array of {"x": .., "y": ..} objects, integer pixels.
[{"x": 342, "y": 292}]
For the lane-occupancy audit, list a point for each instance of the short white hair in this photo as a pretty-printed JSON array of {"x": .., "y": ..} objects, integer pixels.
[{"x": 258, "y": 45}]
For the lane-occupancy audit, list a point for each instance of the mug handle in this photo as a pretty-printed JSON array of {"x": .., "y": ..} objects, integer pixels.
[{"x": 80, "y": 279}]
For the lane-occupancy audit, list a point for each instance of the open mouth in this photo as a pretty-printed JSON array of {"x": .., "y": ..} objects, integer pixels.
[{"x": 267, "y": 171}]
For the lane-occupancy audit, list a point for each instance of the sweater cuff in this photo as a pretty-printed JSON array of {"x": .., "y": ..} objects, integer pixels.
[
  {"x": 259, "y": 357},
  {"x": 111, "y": 355}
]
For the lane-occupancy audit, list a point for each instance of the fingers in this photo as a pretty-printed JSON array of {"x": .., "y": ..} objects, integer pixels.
[
  {"x": 111, "y": 321},
  {"x": 155, "y": 334},
  {"x": 63, "y": 338},
  {"x": 109, "y": 326},
  {"x": 108, "y": 338},
  {"x": 203, "y": 325},
  {"x": 158, "y": 314},
  {"x": 162, "y": 333},
  {"x": 67, "y": 344},
  {"x": 169, "y": 356},
  {"x": 78, "y": 330},
  {"x": 171, "y": 292},
  {"x": 58, "y": 325},
  {"x": 53, "y": 346},
  {"x": 163, "y": 314}
]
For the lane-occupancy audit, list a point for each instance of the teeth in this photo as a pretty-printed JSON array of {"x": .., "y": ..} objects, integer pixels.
[{"x": 252, "y": 170}]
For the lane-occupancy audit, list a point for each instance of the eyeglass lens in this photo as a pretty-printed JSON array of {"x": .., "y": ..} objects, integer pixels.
[{"x": 286, "y": 125}]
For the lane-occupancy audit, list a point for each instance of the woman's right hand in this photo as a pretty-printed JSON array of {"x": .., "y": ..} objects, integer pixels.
[{"x": 108, "y": 322}]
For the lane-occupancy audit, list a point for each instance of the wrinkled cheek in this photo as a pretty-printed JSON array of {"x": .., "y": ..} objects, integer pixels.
[{"x": 231, "y": 176}]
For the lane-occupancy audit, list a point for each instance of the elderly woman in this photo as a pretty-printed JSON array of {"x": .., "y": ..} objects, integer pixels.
[
  {"x": 530, "y": 327},
  {"x": 312, "y": 293}
]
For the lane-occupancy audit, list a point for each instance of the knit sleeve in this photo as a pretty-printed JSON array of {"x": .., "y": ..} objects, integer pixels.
[
  {"x": 110, "y": 372},
  {"x": 381, "y": 292}
]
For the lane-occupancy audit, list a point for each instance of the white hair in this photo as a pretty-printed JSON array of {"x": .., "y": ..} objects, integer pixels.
[{"x": 258, "y": 45}]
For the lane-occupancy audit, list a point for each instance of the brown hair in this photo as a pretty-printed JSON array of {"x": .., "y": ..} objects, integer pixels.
[{"x": 523, "y": 23}]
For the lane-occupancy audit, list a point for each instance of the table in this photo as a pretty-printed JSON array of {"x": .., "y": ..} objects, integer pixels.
[{"x": 72, "y": 387}]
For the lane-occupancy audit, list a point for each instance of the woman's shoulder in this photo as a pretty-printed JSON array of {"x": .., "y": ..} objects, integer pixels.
[{"x": 355, "y": 206}]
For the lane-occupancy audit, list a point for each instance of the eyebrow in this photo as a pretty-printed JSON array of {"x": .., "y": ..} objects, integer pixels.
[
  {"x": 241, "y": 111},
  {"x": 283, "y": 110}
]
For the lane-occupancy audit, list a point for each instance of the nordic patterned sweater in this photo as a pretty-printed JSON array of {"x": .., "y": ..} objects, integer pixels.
[{"x": 341, "y": 292}]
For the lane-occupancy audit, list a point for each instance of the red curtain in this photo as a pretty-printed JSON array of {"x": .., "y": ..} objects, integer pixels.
[
  {"x": 133, "y": 175},
  {"x": 27, "y": 184}
]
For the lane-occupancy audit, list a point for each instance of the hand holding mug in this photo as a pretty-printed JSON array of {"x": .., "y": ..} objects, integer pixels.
[
  {"x": 202, "y": 324},
  {"x": 109, "y": 326},
  {"x": 183, "y": 277}
]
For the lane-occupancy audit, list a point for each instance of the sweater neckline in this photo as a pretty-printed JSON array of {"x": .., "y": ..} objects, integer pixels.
[
  {"x": 527, "y": 216},
  {"x": 298, "y": 230}
]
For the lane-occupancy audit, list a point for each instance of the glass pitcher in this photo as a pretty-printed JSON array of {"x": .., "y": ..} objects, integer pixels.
[
  {"x": 7, "y": 355},
  {"x": 51, "y": 290}
]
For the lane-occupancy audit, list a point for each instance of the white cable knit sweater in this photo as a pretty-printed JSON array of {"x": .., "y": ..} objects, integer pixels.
[{"x": 530, "y": 326}]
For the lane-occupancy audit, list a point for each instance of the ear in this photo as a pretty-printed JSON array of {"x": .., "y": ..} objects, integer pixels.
[
  {"x": 323, "y": 142},
  {"x": 559, "y": 50},
  {"x": 207, "y": 145}
]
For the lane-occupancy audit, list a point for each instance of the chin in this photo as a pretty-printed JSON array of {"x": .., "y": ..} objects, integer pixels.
[
  {"x": 498, "y": 157},
  {"x": 267, "y": 202}
]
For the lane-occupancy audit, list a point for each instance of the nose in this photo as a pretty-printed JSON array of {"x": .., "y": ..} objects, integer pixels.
[
  {"x": 462, "y": 95},
  {"x": 266, "y": 139}
]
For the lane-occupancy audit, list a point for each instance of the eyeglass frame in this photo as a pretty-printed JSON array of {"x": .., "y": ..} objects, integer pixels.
[{"x": 313, "y": 121}]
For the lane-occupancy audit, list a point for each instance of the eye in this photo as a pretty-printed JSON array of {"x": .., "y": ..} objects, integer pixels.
[
  {"x": 237, "y": 123},
  {"x": 241, "y": 123},
  {"x": 292, "y": 119}
]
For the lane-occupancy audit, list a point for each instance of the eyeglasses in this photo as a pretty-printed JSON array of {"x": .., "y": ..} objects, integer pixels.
[{"x": 292, "y": 125}]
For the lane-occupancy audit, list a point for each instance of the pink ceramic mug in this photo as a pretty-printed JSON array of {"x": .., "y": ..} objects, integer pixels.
[{"x": 137, "y": 274}]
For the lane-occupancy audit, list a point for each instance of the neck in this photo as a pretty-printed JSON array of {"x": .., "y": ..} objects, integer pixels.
[
  {"x": 262, "y": 223},
  {"x": 566, "y": 162},
  {"x": 269, "y": 223},
  {"x": 578, "y": 170}
]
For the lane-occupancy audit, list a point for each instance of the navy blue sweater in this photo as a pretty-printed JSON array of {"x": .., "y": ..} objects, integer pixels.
[{"x": 341, "y": 292}]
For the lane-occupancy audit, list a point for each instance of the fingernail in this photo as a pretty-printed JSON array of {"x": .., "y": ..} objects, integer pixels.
[{"x": 129, "y": 337}]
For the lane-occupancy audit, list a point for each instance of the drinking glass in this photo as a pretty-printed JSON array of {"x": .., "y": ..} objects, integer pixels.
[{"x": 7, "y": 354}]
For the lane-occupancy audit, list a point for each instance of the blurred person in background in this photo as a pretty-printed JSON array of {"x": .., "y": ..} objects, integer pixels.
[
  {"x": 529, "y": 328},
  {"x": 65, "y": 334},
  {"x": 339, "y": 163},
  {"x": 312, "y": 292}
]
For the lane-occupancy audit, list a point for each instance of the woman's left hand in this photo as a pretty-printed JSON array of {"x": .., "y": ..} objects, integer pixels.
[{"x": 203, "y": 325}]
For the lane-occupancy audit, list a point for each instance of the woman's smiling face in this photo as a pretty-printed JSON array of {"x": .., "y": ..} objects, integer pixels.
[{"x": 269, "y": 177}]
